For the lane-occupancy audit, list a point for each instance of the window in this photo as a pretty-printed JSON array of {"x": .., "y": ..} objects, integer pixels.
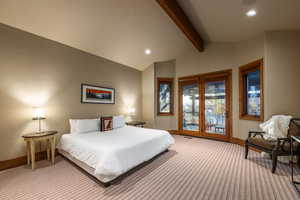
[
  {"x": 165, "y": 96},
  {"x": 251, "y": 91}
]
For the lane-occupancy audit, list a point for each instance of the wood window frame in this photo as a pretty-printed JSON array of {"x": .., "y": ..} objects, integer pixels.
[
  {"x": 170, "y": 82},
  {"x": 243, "y": 70}
]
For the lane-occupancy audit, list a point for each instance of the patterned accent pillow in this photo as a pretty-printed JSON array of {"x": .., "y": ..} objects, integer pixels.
[
  {"x": 106, "y": 123},
  {"x": 118, "y": 121}
]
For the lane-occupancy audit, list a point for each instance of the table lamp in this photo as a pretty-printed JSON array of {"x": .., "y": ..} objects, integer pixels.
[
  {"x": 131, "y": 111},
  {"x": 39, "y": 114}
]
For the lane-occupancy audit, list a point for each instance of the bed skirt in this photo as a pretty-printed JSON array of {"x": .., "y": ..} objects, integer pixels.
[{"x": 105, "y": 181}]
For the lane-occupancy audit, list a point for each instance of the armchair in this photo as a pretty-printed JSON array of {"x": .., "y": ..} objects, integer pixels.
[{"x": 279, "y": 147}]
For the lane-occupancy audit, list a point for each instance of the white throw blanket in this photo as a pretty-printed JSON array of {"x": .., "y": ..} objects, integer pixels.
[{"x": 276, "y": 127}]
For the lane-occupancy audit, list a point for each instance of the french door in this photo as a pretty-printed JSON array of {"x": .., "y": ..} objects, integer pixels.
[
  {"x": 189, "y": 107},
  {"x": 205, "y": 106}
]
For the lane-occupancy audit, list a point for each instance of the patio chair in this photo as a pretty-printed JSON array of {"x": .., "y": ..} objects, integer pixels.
[{"x": 279, "y": 147}]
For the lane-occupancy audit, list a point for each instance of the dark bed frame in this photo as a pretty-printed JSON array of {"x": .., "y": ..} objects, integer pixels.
[{"x": 117, "y": 179}]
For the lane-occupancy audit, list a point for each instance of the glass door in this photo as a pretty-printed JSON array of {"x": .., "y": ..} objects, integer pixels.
[
  {"x": 189, "y": 107},
  {"x": 205, "y": 106},
  {"x": 215, "y": 108}
]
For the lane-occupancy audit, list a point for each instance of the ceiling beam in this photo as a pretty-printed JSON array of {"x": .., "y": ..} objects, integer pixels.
[{"x": 176, "y": 13}]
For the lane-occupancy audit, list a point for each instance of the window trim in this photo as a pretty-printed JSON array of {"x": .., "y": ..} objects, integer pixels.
[
  {"x": 243, "y": 70},
  {"x": 169, "y": 81}
]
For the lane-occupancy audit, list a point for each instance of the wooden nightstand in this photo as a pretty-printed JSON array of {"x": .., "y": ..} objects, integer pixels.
[
  {"x": 31, "y": 138},
  {"x": 136, "y": 123}
]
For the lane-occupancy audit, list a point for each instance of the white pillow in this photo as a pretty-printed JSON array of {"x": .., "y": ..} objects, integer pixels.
[
  {"x": 118, "y": 122},
  {"x": 84, "y": 125},
  {"x": 73, "y": 125}
]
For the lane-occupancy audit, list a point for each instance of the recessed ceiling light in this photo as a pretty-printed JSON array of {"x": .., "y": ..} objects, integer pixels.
[
  {"x": 251, "y": 13},
  {"x": 148, "y": 51}
]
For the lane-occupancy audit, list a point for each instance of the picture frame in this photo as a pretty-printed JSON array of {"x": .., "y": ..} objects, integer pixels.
[{"x": 93, "y": 94}]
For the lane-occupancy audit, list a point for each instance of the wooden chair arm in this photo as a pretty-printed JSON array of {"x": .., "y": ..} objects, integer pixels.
[{"x": 284, "y": 139}]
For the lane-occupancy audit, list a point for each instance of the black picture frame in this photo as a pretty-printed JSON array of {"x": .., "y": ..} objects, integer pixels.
[{"x": 108, "y": 98}]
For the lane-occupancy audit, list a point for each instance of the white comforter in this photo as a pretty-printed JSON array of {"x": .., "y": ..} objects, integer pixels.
[{"x": 113, "y": 153}]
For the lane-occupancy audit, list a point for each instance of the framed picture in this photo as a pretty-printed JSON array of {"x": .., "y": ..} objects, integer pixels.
[{"x": 97, "y": 94}]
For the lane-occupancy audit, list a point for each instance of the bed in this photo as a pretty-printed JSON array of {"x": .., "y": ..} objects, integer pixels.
[{"x": 107, "y": 155}]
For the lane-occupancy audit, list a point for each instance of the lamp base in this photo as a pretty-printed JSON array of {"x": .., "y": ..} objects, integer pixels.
[{"x": 40, "y": 123}]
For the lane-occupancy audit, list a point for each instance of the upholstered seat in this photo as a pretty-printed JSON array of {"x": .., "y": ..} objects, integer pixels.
[
  {"x": 271, "y": 144},
  {"x": 279, "y": 147}
]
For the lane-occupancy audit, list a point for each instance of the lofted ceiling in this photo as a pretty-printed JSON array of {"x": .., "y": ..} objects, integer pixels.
[
  {"x": 225, "y": 21},
  {"x": 120, "y": 30}
]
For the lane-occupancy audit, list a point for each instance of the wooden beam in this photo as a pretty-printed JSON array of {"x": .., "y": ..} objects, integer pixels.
[{"x": 176, "y": 13}]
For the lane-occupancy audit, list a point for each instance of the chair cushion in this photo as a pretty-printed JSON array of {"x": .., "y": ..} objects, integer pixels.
[
  {"x": 262, "y": 142},
  {"x": 270, "y": 144}
]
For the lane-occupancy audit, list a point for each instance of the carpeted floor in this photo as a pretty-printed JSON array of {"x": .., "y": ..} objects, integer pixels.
[{"x": 192, "y": 169}]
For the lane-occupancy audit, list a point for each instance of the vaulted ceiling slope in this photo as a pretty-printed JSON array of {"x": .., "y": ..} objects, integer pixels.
[
  {"x": 225, "y": 21},
  {"x": 120, "y": 30}
]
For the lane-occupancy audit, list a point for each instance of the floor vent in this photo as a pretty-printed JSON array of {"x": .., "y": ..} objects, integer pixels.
[{"x": 188, "y": 137}]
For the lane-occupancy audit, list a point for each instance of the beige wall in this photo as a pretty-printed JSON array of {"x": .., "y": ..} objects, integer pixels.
[
  {"x": 39, "y": 72},
  {"x": 148, "y": 85},
  {"x": 244, "y": 52},
  {"x": 283, "y": 72},
  {"x": 223, "y": 56},
  {"x": 216, "y": 57},
  {"x": 280, "y": 51},
  {"x": 164, "y": 70},
  {"x": 149, "y": 81}
]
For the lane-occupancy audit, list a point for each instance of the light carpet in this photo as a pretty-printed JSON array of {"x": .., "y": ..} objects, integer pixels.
[{"x": 193, "y": 169}]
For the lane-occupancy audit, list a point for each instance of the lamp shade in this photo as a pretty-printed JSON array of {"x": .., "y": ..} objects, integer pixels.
[
  {"x": 131, "y": 111},
  {"x": 39, "y": 113}
]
